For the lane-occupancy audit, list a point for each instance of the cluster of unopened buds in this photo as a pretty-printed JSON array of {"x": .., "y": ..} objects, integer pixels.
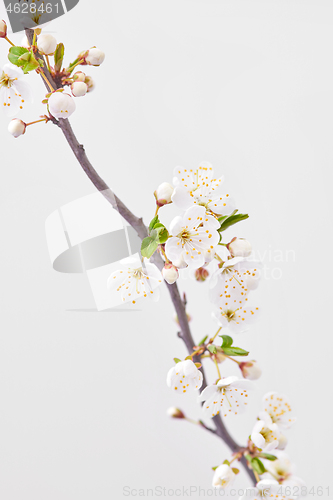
[{"x": 26, "y": 57}]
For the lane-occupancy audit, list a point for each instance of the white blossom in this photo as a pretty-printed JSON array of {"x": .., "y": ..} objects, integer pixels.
[
  {"x": 266, "y": 489},
  {"x": 229, "y": 395},
  {"x": 282, "y": 470},
  {"x": 163, "y": 193},
  {"x": 25, "y": 43},
  {"x": 14, "y": 92},
  {"x": 79, "y": 89},
  {"x": 16, "y": 127},
  {"x": 223, "y": 477},
  {"x": 170, "y": 273},
  {"x": 237, "y": 270},
  {"x": 279, "y": 409},
  {"x": 184, "y": 376},
  {"x": 239, "y": 247},
  {"x": 199, "y": 187},
  {"x": 192, "y": 235},
  {"x": 95, "y": 57},
  {"x": 136, "y": 280},
  {"x": 46, "y": 44},
  {"x": 250, "y": 369},
  {"x": 265, "y": 434},
  {"x": 61, "y": 105}
]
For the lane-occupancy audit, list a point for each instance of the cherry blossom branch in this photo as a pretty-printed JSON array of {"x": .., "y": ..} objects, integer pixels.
[{"x": 137, "y": 223}]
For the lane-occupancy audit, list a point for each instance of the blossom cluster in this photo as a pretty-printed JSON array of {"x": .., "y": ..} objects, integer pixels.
[{"x": 15, "y": 92}]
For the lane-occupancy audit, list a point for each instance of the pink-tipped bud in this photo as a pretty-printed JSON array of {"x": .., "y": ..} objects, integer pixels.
[
  {"x": 163, "y": 194},
  {"x": 239, "y": 247},
  {"x": 201, "y": 274},
  {"x": 175, "y": 413},
  {"x": 79, "y": 89},
  {"x": 79, "y": 76},
  {"x": 250, "y": 370},
  {"x": 3, "y": 29},
  {"x": 17, "y": 127},
  {"x": 170, "y": 273},
  {"x": 94, "y": 56}
]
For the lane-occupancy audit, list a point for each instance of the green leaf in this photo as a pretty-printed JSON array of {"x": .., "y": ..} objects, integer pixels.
[
  {"x": 234, "y": 470},
  {"x": 257, "y": 465},
  {"x": 268, "y": 456},
  {"x": 226, "y": 462},
  {"x": 202, "y": 341},
  {"x": 214, "y": 468},
  {"x": 212, "y": 349},
  {"x": 160, "y": 233},
  {"x": 176, "y": 360},
  {"x": 59, "y": 56},
  {"x": 148, "y": 247},
  {"x": 15, "y": 53},
  {"x": 198, "y": 365},
  {"x": 227, "y": 341},
  {"x": 235, "y": 351},
  {"x": 154, "y": 221},
  {"x": 230, "y": 220}
]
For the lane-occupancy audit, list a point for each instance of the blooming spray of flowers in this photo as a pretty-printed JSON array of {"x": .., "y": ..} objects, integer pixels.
[{"x": 194, "y": 243}]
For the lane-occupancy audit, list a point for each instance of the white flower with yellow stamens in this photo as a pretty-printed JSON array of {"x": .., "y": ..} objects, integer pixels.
[
  {"x": 14, "y": 93},
  {"x": 245, "y": 273},
  {"x": 184, "y": 376},
  {"x": 265, "y": 434},
  {"x": 283, "y": 470},
  {"x": 136, "y": 280},
  {"x": 229, "y": 395},
  {"x": 266, "y": 489},
  {"x": 199, "y": 187},
  {"x": 191, "y": 236},
  {"x": 223, "y": 476},
  {"x": 279, "y": 409},
  {"x": 233, "y": 310}
]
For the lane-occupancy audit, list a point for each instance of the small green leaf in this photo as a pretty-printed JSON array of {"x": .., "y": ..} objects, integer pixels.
[
  {"x": 212, "y": 349},
  {"x": 176, "y": 360},
  {"x": 226, "y": 462},
  {"x": 15, "y": 53},
  {"x": 58, "y": 56},
  {"x": 234, "y": 470},
  {"x": 214, "y": 468},
  {"x": 154, "y": 221},
  {"x": 235, "y": 351},
  {"x": 198, "y": 365},
  {"x": 202, "y": 341},
  {"x": 227, "y": 341},
  {"x": 268, "y": 456},
  {"x": 148, "y": 247},
  {"x": 230, "y": 220},
  {"x": 257, "y": 465},
  {"x": 188, "y": 357}
]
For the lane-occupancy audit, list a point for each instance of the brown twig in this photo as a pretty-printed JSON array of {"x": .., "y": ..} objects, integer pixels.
[{"x": 137, "y": 223}]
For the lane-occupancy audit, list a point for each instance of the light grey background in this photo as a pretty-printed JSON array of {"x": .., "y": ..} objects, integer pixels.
[{"x": 246, "y": 85}]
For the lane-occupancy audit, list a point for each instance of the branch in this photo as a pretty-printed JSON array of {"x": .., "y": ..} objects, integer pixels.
[{"x": 139, "y": 226}]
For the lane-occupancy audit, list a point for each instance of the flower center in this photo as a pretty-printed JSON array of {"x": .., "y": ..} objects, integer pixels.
[
  {"x": 184, "y": 235},
  {"x": 137, "y": 273},
  {"x": 229, "y": 314},
  {"x": 5, "y": 81},
  {"x": 267, "y": 434}
]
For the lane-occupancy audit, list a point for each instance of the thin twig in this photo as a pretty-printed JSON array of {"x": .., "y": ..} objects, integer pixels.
[{"x": 139, "y": 226}]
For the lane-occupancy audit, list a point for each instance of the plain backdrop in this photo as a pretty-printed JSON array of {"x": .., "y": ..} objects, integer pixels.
[{"x": 248, "y": 86}]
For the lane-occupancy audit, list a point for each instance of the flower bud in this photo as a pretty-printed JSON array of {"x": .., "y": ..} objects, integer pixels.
[
  {"x": 220, "y": 357},
  {"x": 3, "y": 29},
  {"x": 16, "y": 127},
  {"x": 46, "y": 44},
  {"x": 175, "y": 413},
  {"x": 170, "y": 273},
  {"x": 250, "y": 370},
  {"x": 95, "y": 57},
  {"x": 79, "y": 89},
  {"x": 90, "y": 83},
  {"x": 61, "y": 105},
  {"x": 163, "y": 194},
  {"x": 239, "y": 247},
  {"x": 79, "y": 76},
  {"x": 201, "y": 274}
]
